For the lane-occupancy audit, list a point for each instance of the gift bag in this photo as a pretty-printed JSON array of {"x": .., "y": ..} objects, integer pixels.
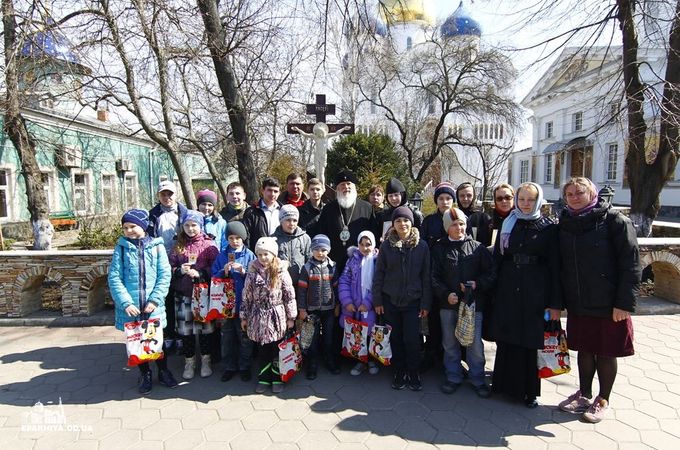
[
  {"x": 143, "y": 341},
  {"x": 222, "y": 303},
  {"x": 465, "y": 327},
  {"x": 380, "y": 347},
  {"x": 200, "y": 300},
  {"x": 553, "y": 359},
  {"x": 290, "y": 356},
  {"x": 355, "y": 340},
  {"x": 307, "y": 329}
]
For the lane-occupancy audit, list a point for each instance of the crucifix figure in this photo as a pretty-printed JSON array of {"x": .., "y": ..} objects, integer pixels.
[{"x": 320, "y": 132}]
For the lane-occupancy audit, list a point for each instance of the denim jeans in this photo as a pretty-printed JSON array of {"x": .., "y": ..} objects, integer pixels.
[
  {"x": 237, "y": 349},
  {"x": 475, "y": 352},
  {"x": 405, "y": 338}
]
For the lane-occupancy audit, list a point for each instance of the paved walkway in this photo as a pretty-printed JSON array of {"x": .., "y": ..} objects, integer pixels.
[{"x": 100, "y": 407}]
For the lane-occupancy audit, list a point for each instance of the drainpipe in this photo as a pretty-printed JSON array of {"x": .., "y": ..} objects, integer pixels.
[{"x": 151, "y": 183}]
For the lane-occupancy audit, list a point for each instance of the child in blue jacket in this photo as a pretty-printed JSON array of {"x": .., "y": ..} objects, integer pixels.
[
  {"x": 139, "y": 279},
  {"x": 233, "y": 262}
]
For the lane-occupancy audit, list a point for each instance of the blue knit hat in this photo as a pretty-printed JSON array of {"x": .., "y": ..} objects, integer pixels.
[
  {"x": 137, "y": 216},
  {"x": 194, "y": 216},
  {"x": 321, "y": 241}
]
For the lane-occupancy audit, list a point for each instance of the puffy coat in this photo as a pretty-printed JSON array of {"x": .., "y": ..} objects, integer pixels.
[
  {"x": 528, "y": 282},
  {"x": 295, "y": 248},
  {"x": 350, "y": 288},
  {"x": 600, "y": 262},
  {"x": 202, "y": 246},
  {"x": 264, "y": 309},
  {"x": 455, "y": 262},
  {"x": 309, "y": 216},
  {"x": 315, "y": 289},
  {"x": 134, "y": 283},
  {"x": 215, "y": 226},
  {"x": 243, "y": 257},
  {"x": 432, "y": 228},
  {"x": 403, "y": 272}
]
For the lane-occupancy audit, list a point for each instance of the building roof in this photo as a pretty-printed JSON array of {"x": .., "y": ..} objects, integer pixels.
[
  {"x": 460, "y": 23},
  {"x": 49, "y": 43},
  {"x": 406, "y": 11}
]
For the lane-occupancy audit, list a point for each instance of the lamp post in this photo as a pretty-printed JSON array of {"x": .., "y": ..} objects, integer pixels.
[
  {"x": 417, "y": 200},
  {"x": 607, "y": 193}
]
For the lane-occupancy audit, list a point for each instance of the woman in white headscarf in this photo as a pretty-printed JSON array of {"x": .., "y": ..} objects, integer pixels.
[{"x": 528, "y": 259}]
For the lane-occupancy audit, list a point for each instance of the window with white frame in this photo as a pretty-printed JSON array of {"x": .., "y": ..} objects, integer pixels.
[
  {"x": 81, "y": 191},
  {"x": 46, "y": 178},
  {"x": 524, "y": 171},
  {"x": 549, "y": 168},
  {"x": 577, "y": 121},
  {"x": 108, "y": 187},
  {"x": 4, "y": 192},
  {"x": 612, "y": 160},
  {"x": 548, "y": 129},
  {"x": 409, "y": 43},
  {"x": 130, "y": 191}
]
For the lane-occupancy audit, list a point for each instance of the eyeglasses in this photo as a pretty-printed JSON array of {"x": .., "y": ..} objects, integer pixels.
[{"x": 507, "y": 198}]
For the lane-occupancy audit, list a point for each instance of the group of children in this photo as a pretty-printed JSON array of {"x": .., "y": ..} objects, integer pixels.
[{"x": 290, "y": 276}]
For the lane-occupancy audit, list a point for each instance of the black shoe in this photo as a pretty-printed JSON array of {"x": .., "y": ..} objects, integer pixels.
[
  {"x": 227, "y": 375},
  {"x": 166, "y": 379},
  {"x": 449, "y": 387},
  {"x": 530, "y": 402},
  {"x": 333, "y": 367},
  {"x": 482, "y": 391},
  {"x": 311, "y": 371},
  {"x": 399, "y": 381},
  {"x": 246, "y": 375},
  {"x": 414, "y": 382},
  {"x": 145, "y": 383}
]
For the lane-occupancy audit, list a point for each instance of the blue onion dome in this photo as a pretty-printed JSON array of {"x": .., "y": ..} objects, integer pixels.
[
  {"x": 49, "y": 44},
  {"x": 367, "y": 20},
  {"x": 460, "y": 23}
]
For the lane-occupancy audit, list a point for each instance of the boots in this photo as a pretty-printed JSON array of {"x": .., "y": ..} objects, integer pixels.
[
  {"x": 189, "y": 368},
  {"x": 206, "y": 371}
]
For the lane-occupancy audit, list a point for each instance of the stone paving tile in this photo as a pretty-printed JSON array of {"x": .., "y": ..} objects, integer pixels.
[
  {"x": 316, "y": 440},
  {"x": 252, "y": 440},
  {"x": 223, "y": 430},
  {"x": 120, "y": 439},
  {"x": 162, "y": 430},
  {"x": 184, "y": 440},
  {"x": 260, "y": 420},
  {"x": 287, "y": 431},
  {"x": 200, "y": 419}
]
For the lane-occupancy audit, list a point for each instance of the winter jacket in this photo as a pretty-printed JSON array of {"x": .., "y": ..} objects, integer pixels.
[
  {"x": 432, "y": 228},
  {"x": 309, "y": 216},
  {"x": 230, "y": 213},
  {"x": 215, "y": 226},
  {"x": 350, "y": 289},
  {"x": 156, "y": 212},
  {"x": 481, "y": 222},
  {"x": 132, "y": 283},
  {"x": 528, "y": 282},
  {"x": 600, "y": 262},
  {"x": 244, "y": 257},
  {"x": 496, "y": 224},
  {"x": 295, "y": 248},
  {"x": 264, "y": 309},
  {"x": 204, "y": 248},
  {"x": 316, "y": 284},
  {"x": 285, "y": 200},
  {"x": 402, "y": 273},
  {"x": 455, "y": 262},
  {"x": 255, "y": 222}
]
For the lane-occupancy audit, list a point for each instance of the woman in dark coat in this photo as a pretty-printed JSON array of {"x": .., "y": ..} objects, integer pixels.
[
  {"x": 503, "y": 204},
  {"x": 600, "y": 278},
  {"x": 527, "y": 257}
]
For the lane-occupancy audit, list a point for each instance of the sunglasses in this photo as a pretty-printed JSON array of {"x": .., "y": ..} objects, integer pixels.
[{"x": 507, "y": 198}]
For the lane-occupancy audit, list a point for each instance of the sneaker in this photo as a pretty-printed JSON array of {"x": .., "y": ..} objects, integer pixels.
[
  {"x": 449, "y": 387},
  {"x": 597, "y": 410},
  {"x": 228, "y": 375},
  {"x": 261, "y": 388},
  {"x": 246, "y": 375},
  {"x": 358, "y": 369},
  {"x": 399, "y": 380},
  {"x": 206, "y": 370},
  {"x": 575, "y": 403},
  {"x": 189, "y": 368},
  {"x": 373, "y": 368},
  {"x": 414, "y": 382},
  {"x": 145, "y": 383},
  {"x": 482, "y": 391},
  {"x": 166, "y": 378},
  {"x": 277, "y": 387}
]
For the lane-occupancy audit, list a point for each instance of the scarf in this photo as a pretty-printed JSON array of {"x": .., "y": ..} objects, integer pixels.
[
  {"x": 516, "y": 213},
  {"x": 367, "y": 270}
]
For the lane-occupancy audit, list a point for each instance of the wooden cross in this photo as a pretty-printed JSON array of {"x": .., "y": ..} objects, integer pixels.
[{"x": 320, "y": 110}]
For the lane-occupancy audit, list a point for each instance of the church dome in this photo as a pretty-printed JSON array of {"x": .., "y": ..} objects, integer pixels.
[
  {"x": 460, "y": 23},
  {"x": 405, "y": 11},
  {"x": 49, "y": 44}
]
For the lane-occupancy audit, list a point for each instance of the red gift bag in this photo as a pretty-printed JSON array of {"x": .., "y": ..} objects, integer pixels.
[
  {"x": 354, "y": 340},
  {"x": 222, "y": 304},
  {"x": 553, "y": 359},
  {"x": 143, "y": 341},
  {"x": 290, "y": 357}
]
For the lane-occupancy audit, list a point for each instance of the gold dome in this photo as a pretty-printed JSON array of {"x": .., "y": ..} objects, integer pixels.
[{"x": 404, "y": 11}]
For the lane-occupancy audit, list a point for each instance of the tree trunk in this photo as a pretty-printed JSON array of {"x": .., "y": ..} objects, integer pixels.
[
  {"x": 15, "y": 127},
  {"x": 226, "y": 79}
]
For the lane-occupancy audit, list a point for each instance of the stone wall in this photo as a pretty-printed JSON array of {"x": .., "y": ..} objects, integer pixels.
[{"x": 663, "y": 254}]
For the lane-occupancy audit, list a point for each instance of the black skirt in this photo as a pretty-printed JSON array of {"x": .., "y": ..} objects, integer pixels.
[{"x": 515, "y": 372}]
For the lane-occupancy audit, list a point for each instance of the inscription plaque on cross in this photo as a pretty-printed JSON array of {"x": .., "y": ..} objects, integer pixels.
[{"x": 320, "y": 132}]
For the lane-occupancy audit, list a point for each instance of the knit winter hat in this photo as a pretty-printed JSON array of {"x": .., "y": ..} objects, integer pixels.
[
  {"x": 402, "y": 211},
  {"x": 288, "y": 211},
  {"x": 193, "y": 216},
  {"x": 236, "y": 228},
  {"x": 444, "y": 188},
  {"x": 137, "y": 216},
  {"x": 206, "y": 196},
  {"x": 267, "y": 244},
  {"x": 322, "y": 242},
  {"x": 345, "y": 175},
  {"x": 368, "y": 235},
  {"x": 394, "y": 186},
  {"x": 453, "y": 214}
]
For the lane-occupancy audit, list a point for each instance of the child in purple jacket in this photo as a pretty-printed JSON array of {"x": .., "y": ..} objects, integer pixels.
[{"x": 354, "y": 289}]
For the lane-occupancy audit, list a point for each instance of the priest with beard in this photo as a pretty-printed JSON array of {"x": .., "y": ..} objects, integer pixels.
[{"x": 345, "y": 217}]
